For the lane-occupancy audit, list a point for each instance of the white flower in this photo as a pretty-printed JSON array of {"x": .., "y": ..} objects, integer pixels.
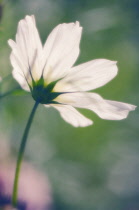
[{"x": 47, "y": 71}]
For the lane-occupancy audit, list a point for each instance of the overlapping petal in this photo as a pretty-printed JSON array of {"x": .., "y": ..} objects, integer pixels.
[
  {"x": 18, "y": 72},
  {"x": 61, "y": 50},
  {"x": 26, "y": 56},
  {"x": 88, "y": 76},
  {"x": 109, "y": 110},
  {"x": 72, "y": 116}
]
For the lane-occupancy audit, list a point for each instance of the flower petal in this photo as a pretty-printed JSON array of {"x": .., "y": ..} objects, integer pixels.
[
  {"x": 17, "y": 73},
  {"x": 109, "y": 110},
  {"x": 61, "y": 50},
  {"x": 72, "y": 116},
  {"x": 27, "y": 49},
  {"x": 21, "y": 80},
  {"x": 88, "y": 76}
]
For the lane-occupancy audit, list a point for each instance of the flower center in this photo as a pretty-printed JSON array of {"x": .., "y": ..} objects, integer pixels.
[{"x": 43, "y": 93}]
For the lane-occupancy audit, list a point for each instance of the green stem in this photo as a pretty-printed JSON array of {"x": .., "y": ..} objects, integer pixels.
[
  {"x": 20, "y": 155},
  {"x": 9, "y": 92}
]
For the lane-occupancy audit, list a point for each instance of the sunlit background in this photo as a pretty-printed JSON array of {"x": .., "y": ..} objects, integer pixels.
[{"x": 92, "y": 168}]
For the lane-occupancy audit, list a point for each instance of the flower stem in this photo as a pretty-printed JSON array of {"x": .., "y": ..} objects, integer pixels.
[
  {"x": 21, "y": 153},
  {"x": 10, "y": 92}
]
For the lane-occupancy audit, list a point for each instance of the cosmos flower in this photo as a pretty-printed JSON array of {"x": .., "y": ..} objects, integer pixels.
[{"x": 48, "y": 73}]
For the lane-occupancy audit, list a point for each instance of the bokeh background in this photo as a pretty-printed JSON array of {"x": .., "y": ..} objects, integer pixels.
[{"x": 92, "y": 168}]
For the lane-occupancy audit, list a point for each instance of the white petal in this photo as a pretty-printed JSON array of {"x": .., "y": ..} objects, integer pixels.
[
  {"x": 72, "y": 116},
  {"x": 88, "y": 76},
  {"x": 110, "y": 110},
  {"x": 28, "y": 48},
  {"x": 61, "y": 50},
  {"x": 17, "y": 58},
  {"x": 18, "y": 72},
  {"x": 21, "y": 80}
]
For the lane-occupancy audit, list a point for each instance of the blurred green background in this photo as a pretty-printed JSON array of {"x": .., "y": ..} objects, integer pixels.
[{"x": 92, "y": 168}]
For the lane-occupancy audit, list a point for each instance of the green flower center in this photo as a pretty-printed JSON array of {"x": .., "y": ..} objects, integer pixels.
[{"x": 43, "y": 93}]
